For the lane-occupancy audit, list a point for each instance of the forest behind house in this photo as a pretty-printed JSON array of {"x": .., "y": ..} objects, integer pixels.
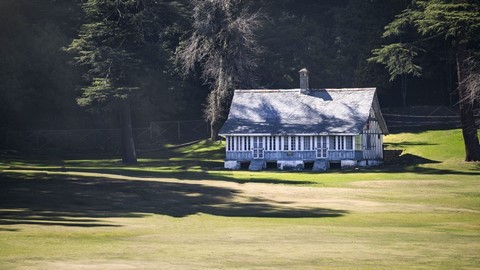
[{"x": 49, "y": 80}]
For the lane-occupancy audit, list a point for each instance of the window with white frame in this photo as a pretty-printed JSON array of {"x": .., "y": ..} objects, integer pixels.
[
  {"x": 332, "y": 143},
  {"x": 307, "y": 143},
  {"x": 258, "y": 146},
  {"x": 341, "y": 142},
  {"x": 292, "y": 143},
  {"x": 321, "y": 146},
  {"x": 271, "y": 143},
  {"x": 358, "y": 142},
  {"x": 349, "y": 142}
]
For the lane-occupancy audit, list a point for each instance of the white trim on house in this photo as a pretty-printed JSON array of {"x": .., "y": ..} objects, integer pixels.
[{"x": 288, "y": 134}]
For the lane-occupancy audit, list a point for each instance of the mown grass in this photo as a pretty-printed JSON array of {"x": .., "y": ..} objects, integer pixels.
[
  {"x": 179, "y": 210},
  {"x": 425, "y": 155}
]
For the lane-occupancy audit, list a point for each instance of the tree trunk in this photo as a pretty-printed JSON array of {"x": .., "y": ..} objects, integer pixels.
[
  {"x": 129, "y": 155},
  {"x": 213, "y": 132},
  {"x": 469, "y": 129}
]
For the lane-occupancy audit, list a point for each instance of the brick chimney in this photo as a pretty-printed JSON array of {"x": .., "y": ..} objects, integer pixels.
[{"x": 303, "y": 81}]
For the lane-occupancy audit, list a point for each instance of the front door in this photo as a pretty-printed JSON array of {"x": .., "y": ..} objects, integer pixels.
[
  {"x": 258, "y": 147},
  {"x": 321, "y": 147}
]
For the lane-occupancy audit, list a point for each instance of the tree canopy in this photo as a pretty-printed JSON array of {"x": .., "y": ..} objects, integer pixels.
[
  {"x": 332, "y": 39},
  {"x": 224, "y": 47},
  {"x": 112, "y": 46},
  {"x": 458, "y": 23}
]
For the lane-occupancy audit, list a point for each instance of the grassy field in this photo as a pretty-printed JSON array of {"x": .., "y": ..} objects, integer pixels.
[{"x": 178, "y": 210}]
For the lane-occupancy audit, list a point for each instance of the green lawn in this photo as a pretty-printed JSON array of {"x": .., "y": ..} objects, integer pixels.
[{"x": 179, "y": 210}]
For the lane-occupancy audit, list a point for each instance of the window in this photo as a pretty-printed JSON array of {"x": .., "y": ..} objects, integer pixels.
[
  {"x": 258, "y": 147},
  {"x": 358, "y": 142},
  {"x": 306, "y": 143},
  {"x": 292, "y": 143},
  {"x": 285, "y": 143},
  {"x": 332, "y": 143},
  {"x": 349, "y": 142},
  {"x": 341, "y": 142},
  {"x": 270, "y": 143},
  {"x": 321, "y": 146}
]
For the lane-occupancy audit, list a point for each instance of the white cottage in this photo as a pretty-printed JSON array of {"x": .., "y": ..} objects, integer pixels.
[{"x": 296, "y": 129}]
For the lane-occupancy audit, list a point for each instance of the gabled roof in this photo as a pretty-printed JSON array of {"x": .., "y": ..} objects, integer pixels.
[{"x": 321, "y": 111}]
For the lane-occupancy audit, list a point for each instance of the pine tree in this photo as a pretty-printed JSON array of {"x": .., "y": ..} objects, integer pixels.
[
  {"x": 109, "y": 47},
  {"x": 457, "y": 21}
]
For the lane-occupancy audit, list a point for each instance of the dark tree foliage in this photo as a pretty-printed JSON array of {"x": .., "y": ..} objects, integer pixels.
[
  {"x": 36, "y": 82},
  {"x": 112, "y": 46},
  {"x": 333, "y": 39},
  {"x": 223, "y": 45},
  {"x": 458, "y": 22}
]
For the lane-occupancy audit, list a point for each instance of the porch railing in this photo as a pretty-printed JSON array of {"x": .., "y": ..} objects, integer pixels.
[{"x": 340, "y": 154}]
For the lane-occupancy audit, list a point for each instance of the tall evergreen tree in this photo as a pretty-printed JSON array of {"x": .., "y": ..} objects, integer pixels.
[
  {"x": 109, "y": 47},
  {"x": 223, "y": 44},
  {"x": 457, "y": 21}
]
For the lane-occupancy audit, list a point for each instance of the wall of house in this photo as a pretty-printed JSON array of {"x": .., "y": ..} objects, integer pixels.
[
  {"x": 333, "y": 147},
  {"x": 372, "y": 139}
]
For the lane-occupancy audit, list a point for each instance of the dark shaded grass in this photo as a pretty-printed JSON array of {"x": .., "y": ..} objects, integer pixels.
[{"x": 83, "y": 201}]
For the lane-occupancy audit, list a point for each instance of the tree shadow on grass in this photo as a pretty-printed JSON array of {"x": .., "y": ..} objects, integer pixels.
[{"x": 85, "y": 201}]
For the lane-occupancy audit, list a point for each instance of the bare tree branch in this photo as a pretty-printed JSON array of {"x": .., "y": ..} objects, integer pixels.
[{"x": 223, "y": 45}]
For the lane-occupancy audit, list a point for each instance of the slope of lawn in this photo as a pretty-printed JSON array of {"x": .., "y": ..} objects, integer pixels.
[
  {"x": 179, "y": 210},
  {"x": 425, "y": 155}
]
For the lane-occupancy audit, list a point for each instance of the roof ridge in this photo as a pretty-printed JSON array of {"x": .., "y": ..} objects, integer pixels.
[{"x": 311, "y": 89}]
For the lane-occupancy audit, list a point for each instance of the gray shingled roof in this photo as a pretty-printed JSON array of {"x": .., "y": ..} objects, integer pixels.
[{"x": 322, "y": 111}]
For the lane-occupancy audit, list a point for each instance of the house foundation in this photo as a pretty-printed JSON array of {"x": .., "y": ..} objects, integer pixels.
[
  {"x": 290, "y": 165},
  {"x": 232, "y": 165}
]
